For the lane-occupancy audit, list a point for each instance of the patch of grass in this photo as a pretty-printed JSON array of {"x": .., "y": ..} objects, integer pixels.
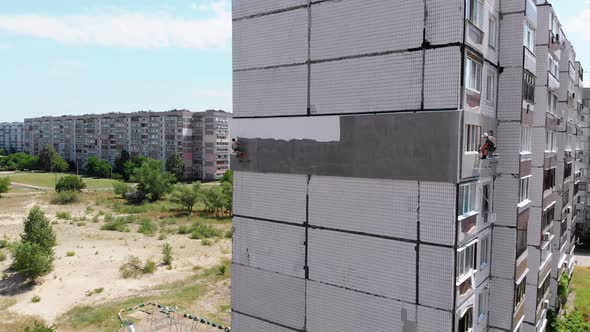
[
  {"x": 150, "y": 267},
  {"x": 162, "y": 236},
  {"x": 119, "y": 224},
  {"x": 183, "y": 229},
  {"x": 63, "y": 215},
  {"x": 148, "y": 228},
  {"x": 4, "y": 242},
  {"x": 132, "y": 268},
  {"x": 81, "y": 223},
  {"x": 206, "y": 242},
  {"x": 222, "y": 270},
  {"x": 581, "y": 285},
  {"x": 95, "y": 219},
  {"x": 89, "y": 209},
  {"x": 2, "y": 256},
  {"x": 36, "y": 299},
  {"x": 94, "y": 291},
  {"x": 229, "y": 234},
  {"x": 64, "y": 198},
  {"x": 203, "y": 231},
  {"x": 48, "y": 180},
  {"x": 126, "y": 208},
  {"x": 70, "y": 254}
]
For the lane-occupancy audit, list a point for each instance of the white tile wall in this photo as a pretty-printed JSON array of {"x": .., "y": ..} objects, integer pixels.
[
  {"x": 437, "y": 212},
  {"x": 269, "y": 246},
  {"x": 243, "y": 8},
  {"x": 242, "y": 323},
  {"x": 267, "y": 295},
  {"x": 368, "y": 264},
  {"x": 270, "y": 196},
  {"x": 270, "y": 40},
  {"x": 430, "y": 319},
  {"x": 383, "y": 207},
  {"x": 503, "y": 252},
  {"x": 369, "y": 84},
  {"x": 442, "y": 78},
  {"x": 500, "y": 305},
  {"x": 512, "y": 41},
  {"x": 334, "y": 309},
  {"x": 534, "y": 229},
  {"x": 505, "y": 200},
  {"x": 444, "y": 23},
  {"x": 353, "y": 27},
  {"x": 510, "y": 90},
  {"x": 538, "y": 146},
  {"x": 436, "y": 283}
]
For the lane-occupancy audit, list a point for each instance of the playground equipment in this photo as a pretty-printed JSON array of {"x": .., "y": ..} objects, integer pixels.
[{"x": 155, "y": 317}]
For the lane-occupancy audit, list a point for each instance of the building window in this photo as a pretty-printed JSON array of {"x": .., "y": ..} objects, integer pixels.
[
  {"x": 467, "y": 194},
  {"x": 519, "y": 292},
  {"x": 542, "y": 290},
  {"x": 474, "y": 73},
  {"x": 473, "y": 133},
  {"x": 553, "y": 66},
  {"x": 525, "y": 139},
  {"x": 528, "y": 86},
  {"x": 524, "y": 189},
  {"x": 466, "y": 258},
  {"x": 486, "y": 204},
  {"x": 490, "y": 87},
  {"x": 484, "y": 253},
  {"x": 549, "y": 179},
  {"x": 493, "y": 32},
  {"x": 567, "y": 171},
  {"x": 466, "y": 322},
  {"x": 521, "y": 238},
  {"x": 529, "y": 37},
  {"x": 475, "y": 12},
  {"x": 551, "y": 103},
  {"x": 547, "y": 217},
  {"x": 550, "y": 141},
  {"x": 482, "y": 305}
]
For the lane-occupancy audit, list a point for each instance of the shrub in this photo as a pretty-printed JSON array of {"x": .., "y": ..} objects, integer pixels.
[
  {"x": 150, "y": 266},
  {"x": 147, "y": 227},
  {"x": 562, "y": 289},
  {"x": 206, "y": 242},
  {"x": 167, "y": 254},
  {"x": 132, "y": 268},
  {"x": 40, "y": 327},
  {"x": 95, "y": 291},
  {"x": 2, "y": 256},
  {"x": 153, "y": 183},
  {"x": 97, "y": 167},
  {"x": 65, "y": 197},
  {"x": 120, "y": 188},
  {"x": 36, "y": 299},
  {"x": 186, "y": 196},
  {"x": 162, "y": 236},
  {"x": 572, "y": 322},
  {"x": 4, "y": 242},
  {"x": 63, "y": 215},
  {"x": 70, "y": 254},
  {"x": 117, "y": 225},
  {"x": 221, "y": 270},
  {"x": 229, "y": 234},
  {"x": 204, "y": 231},
  {"x": 32, "y": 260},
  {"x": 81, "y": 223},
  {"x": 183, "y": 229},
  {"x": 70, "y": 183},
  {"x": 4, "y": 185},
  {"x": 38, "y": 230}
]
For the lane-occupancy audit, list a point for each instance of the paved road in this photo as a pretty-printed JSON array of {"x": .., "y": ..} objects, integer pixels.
[{"x": 583, "y": 258}]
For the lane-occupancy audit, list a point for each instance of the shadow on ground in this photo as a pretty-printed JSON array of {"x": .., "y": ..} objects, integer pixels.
[{"x": 14, "y": 284}]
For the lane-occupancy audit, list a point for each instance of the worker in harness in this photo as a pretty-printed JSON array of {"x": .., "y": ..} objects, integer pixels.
[{"x": 488, "y": 147}]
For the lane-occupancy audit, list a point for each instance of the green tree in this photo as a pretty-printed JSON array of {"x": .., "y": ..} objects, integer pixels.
[
  {"x": 98, "y": 168},
  {"x": 228, "y": 176},
  {"x": 131, "y": 165},
  {"x": 214, "y": 200},
  {"x": 38, "y": 230},
  {"x": 121, "y": 188},
  {"x": 70, "y": 183},
  {"x": 572, "y": 322},
  {"x": 4, "y": 185},
  {"x": 227, "y": 189},
  {"x": 59, "y": 164},
  {"x": 2, "y": 152},
  {"x": 46, "y": 157},
  {"x": 153, "y": 183},
  {"x": 175, "y": 165},
  {"x": 120, "y": 162},
  {"x": 186, "y": 196},
  {"x": 32, "y": 260}
]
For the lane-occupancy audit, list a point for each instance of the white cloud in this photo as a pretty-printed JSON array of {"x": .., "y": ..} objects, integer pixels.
[
  {"x": 579, "y": 23},
  {"x": 129, "y": 30}
]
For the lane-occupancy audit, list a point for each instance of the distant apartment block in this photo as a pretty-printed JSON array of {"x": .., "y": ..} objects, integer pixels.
[
  {"x": 11, "y": 136},
  {"x": 365, "y": 203},
  {"x": 155, "y": 135}
]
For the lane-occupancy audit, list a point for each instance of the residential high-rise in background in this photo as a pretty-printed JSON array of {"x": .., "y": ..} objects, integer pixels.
[
  {"x": 362, "y": 201},
  {"x": 151, "y": 134},
  {"x": 11, "y": 136}
]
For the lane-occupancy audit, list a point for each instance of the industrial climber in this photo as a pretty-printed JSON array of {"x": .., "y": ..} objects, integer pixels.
[{"x": 488, "y": 147}]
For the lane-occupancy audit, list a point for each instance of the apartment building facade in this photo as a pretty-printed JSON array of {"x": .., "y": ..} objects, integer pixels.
[
  {"x": 11, "y": 136},
  {"x": 212, "y": 144},
  {"x": 155, "y": 135},
  {"x": 364, "y": 203}
]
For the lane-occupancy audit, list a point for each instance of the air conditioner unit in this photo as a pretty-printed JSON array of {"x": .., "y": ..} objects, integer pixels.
[
  {"x": 492, "y": 217},
  {"x": 546, "y": 304},
  {"x": 568, "y": 210},
  {"x": 546, "y": 236}
]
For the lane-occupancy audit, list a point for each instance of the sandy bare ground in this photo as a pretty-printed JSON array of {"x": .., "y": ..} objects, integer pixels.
[{"x": 98, "y": 256}]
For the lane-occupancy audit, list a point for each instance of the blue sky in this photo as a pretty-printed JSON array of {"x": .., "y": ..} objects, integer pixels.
[{"x": 87, "y": 56}]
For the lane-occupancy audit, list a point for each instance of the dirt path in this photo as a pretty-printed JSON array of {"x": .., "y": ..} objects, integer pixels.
[{"x": 95, "y": 264}]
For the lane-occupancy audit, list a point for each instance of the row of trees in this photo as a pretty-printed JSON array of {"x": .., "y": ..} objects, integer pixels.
[{"x": 216, "y": 199}]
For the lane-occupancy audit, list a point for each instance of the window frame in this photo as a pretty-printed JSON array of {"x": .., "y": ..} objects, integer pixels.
[
  {"x": 473, "y": 80},
  {"x": 524, "y": 189},
  {"x": 472, "y": 138},
  {"x": 490, "y": 87},
  {"x": 466, "y": 260},
  {"x": 484, "y": 252},
  {"x": 529, "y": 37},
  {"x": 520, "y": 293},
  {"x": 482, "y": 305},
  {"x": 493, "y": 32},
  {"x": 467, "y": 198},
  {"x": 526, "y": 139},
  {"x": 475, "y": 12}
]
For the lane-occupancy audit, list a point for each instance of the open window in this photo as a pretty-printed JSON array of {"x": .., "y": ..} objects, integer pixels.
[{"x": 466, "y": 321}]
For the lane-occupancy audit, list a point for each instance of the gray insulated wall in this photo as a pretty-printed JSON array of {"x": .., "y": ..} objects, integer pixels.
[{"x": 344, "y": 203}]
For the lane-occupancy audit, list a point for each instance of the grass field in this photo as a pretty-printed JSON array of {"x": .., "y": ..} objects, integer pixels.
[
  {"x": 48, "y": 180},
  {"x": 581, "y": 285}
]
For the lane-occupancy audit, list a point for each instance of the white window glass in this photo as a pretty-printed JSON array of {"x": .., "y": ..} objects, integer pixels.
[
  {"x": 524, "y": 189},
  {"x": 473, "y": 75},
  {"x": 472, "y": 138},
  {"x": 493, "y": 32},
  {"x": 529, "y": 37},
  {"x": 550, "y": 141},
  {"x": 475, "y": 12},
  {"x": 490, "y": 88},
  {"x": 484, "y": 256},
  {"x": 525, "y": 139},
  {"x": 482, "y": 304},
  {"x": 466, "y": 260},
  {"x": 467, "y": 195}
]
